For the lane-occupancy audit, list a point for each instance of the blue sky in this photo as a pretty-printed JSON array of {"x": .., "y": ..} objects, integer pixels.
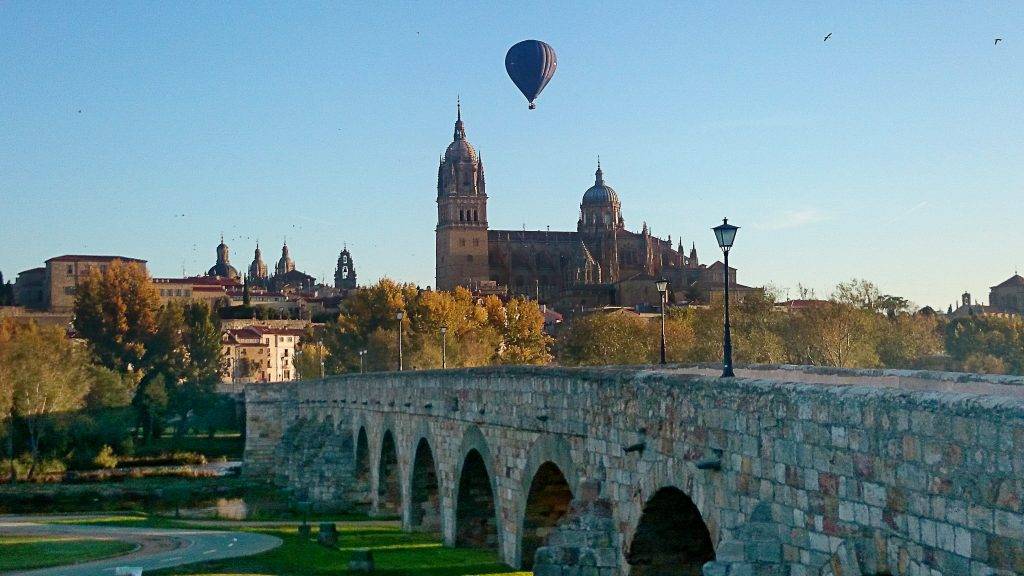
[{"x": 892, "y": 152}]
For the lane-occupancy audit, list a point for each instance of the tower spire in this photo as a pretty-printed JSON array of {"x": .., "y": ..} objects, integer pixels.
[
  {"x": 460, "y": 129},
  {"x": 599, "y": 175}
]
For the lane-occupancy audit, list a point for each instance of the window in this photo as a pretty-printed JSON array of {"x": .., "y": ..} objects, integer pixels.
[
  {"x": 69, "y": 290},
  {"x": 475, "y": 219},
  {"x": 469, "y": 258},
  {"x": 462, "y": 216},
  {"x": 71, "y": 269},
  {"x": 462, "y": 242},
  {"x": 476, "y": 241}
]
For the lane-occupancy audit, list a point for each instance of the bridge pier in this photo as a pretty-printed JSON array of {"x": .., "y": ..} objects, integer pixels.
[{"x": 670, "y": 472}]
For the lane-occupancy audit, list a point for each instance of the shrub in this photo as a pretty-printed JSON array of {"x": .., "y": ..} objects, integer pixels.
[{"x": 106, "y": 458}]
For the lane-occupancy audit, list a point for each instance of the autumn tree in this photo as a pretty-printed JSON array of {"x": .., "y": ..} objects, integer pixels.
[
  {"x": 520, "y": 325},
  {"x": 116, "y": 313}
]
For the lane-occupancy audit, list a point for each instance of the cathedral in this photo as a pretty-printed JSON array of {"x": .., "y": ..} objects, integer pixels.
[
  {"x": 602, "y": 263},
  {"x": 285, "y": 277}
]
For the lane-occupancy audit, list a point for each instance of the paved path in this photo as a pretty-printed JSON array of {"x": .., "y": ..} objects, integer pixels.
[{"x": 158, "y": 547}]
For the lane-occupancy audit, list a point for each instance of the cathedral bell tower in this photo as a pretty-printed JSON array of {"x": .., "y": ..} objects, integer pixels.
[{"x": 461, "y": 214}]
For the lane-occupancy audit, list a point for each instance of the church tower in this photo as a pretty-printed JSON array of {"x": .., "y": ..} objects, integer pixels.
[
  {"x": 285, "y": 264},
  {"x": 258, "y": 269},
  {"x": 461, "y": 250},
  {"x": 345, "y": 273}
]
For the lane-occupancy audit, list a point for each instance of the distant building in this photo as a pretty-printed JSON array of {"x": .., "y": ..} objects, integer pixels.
[
  {"x": 345, "y": 273},
  {"x": 1008, "y": 296},
  {"x": 53, "y": 287},
  {"x": 223, "y": 267},
  {"x": 213, "y": 290},
  {"x": 260, "y": 354},
  {"x": 600, "y": 263},
  {"x": 258, "y": 269},
  {"x": 30, "y": 288}
]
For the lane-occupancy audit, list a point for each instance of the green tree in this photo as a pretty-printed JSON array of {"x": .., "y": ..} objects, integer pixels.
[
  {"x": 6, "y": 292},
  {"x": 50, "y": 376},
  {"x": 600, "y": 338},
  {"x": 979, "y": 337},
  {"x": 309, "y": 359},
  {"x": 907, "y": 340}
]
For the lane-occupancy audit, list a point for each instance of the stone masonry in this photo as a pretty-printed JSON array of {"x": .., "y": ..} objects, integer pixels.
[{"x": 782, "y": 470}]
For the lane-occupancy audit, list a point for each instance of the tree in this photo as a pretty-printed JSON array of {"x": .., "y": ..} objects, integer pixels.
[
  {"x": 978, "y": 337},
  {"x": 310, "y": 359},
  {"x": 606, "y": 338},
  {"x": 50, "y": 376},
  {"x": 520, "y": 325},
  {"x": 6, "y": 292},
  {"x": 246, "y": 293},
  {"x": 116, "y": 313},
  {"x": 907, "y": 340},
  {"x": 833, "y": 333}
]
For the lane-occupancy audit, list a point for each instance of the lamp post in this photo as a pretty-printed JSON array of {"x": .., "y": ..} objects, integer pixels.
[
  {"x": 444, "y": 351},
  {"x": 725, "y": 233},
  {"x": 662, "y": 285},
  {"x": 399, "y": 316},
  {"x": 320, "y": 349},
  {"x": 361, "y": 354}
]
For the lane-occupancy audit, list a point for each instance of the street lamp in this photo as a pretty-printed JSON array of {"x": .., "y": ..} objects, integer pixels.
[
  {"x": 361, "y": 354},
  {"x": 398, "y": 316},
  {"x": 444, "y": 359},
  {"x": 320, "y": 349},
  {"x": 662, "y": 285},
  {"x": 725, "y": 233}
]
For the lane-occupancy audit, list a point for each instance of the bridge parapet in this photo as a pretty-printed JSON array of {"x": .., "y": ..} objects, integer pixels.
[{"x": 894, "y": 472}]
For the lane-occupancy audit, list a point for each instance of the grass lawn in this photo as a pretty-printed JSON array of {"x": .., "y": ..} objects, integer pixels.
[
  {"x": 395, "y": 553},
  {"x": 26, "y": 552}
]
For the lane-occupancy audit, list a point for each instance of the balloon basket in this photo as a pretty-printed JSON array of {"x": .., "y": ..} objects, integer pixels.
[{"x": 533, "y": 106}]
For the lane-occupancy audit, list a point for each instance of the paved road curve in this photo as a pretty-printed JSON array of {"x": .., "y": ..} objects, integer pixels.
[{"x": 158, "y": 547}]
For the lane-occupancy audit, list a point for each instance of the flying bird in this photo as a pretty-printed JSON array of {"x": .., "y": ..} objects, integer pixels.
[
  {"x": 827, "y": 37},
  {"x": 998, "y": 40}
]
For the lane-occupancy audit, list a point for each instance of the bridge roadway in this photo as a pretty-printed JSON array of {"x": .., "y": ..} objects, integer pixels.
[{"x": 668, "y": 471}]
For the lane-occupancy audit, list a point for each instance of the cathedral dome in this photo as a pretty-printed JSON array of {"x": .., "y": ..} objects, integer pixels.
[
  {"x": 223, "y": 267},
  {"x": 460, "y": 151},
  {"x": 600, "y": 193}
]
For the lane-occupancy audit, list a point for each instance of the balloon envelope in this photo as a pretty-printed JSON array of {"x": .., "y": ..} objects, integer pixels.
[{"x": 531, "y": 64}]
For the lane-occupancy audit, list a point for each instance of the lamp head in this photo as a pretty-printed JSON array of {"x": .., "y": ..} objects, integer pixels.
[{"x": 725, "y": 233}]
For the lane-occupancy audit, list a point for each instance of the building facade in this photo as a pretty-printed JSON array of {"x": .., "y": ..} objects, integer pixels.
[
  {"x": 62, "y": 275},
  {"x": 1008, "y": 296},
  {"x": 260, "y": 354},
  {"x": 600, "y": 263}
]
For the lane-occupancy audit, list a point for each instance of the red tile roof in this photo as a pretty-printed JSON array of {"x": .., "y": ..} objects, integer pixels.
[{"x": 92, "y": 258}]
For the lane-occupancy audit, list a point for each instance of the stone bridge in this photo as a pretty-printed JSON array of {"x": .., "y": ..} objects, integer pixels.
[{"x": 599, "y": 472}]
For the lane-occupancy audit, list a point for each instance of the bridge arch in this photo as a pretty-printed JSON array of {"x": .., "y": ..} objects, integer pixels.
[
  {"x": 389, "y": 487},
  {"x": 424, "y": 496},
  {"x": 550, "y": 480},
  {"x": 477, "y": 506},
  {"x": 361, "y": 486},
  {"x": 671, "y": 537}
]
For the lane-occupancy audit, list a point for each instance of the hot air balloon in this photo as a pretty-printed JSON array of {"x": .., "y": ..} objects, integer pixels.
[{"x": 531, "y": 64}]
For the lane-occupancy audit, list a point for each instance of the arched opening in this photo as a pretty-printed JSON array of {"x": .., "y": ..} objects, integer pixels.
[
  {"x": 425, "y": 509},
  {"x": 476, "y": 524},
  {"x": 671, "y": 538},
  {"x": 389, "y": 496},
  {"x": 361, "y": 488},
  {"x": 546, "y": 504}
]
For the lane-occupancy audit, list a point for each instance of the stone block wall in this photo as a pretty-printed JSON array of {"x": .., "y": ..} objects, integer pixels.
[{"x": 851, "y": 472}]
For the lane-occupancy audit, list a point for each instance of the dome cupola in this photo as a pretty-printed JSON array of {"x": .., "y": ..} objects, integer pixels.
[{"x": 600, "y": 208}]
